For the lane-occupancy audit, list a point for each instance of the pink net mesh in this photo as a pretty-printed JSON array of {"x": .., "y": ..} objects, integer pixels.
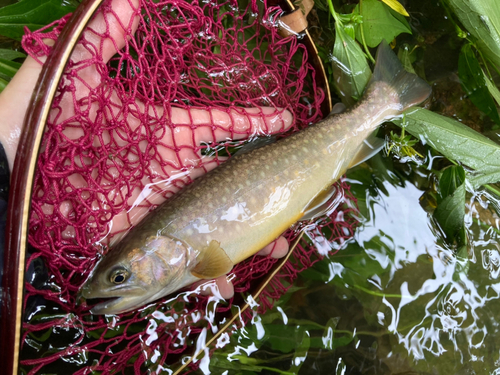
[{"x": 135, "y": 119}]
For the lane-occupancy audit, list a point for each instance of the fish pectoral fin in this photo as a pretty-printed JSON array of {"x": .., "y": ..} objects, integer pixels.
[
  {"x": 213, "y": 262},
  {"x": 370, "y": 147},
  {"x": 321, "y": 204}
]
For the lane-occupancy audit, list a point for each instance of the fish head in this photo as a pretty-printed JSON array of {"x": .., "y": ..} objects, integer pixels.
[{"x": 130, "y": 276}]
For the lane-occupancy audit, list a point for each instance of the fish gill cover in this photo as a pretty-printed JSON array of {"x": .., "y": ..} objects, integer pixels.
[{"x": 124, "y": 131}]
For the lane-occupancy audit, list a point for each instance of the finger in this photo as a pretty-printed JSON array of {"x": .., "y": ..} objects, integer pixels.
[
  {"x": 14, "y": 101},
  {"x": 221, "y": 286},
  {"x": 109, "y": 31},
  {"x": 103, "y": 37},
  {"x": 277, "y": 249},
  {"x": 225, "y": 286},
  {"x": 216, "y": 125}
]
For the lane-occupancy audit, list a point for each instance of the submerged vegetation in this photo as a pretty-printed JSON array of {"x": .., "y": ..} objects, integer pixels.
[{"x": 417, "y": 289}]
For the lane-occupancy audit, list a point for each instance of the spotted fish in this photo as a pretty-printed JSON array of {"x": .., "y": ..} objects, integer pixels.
[{"x": 235, "y": 210}]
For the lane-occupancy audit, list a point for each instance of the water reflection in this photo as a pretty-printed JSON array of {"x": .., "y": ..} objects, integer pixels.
[{"x": 398, "y": 298}]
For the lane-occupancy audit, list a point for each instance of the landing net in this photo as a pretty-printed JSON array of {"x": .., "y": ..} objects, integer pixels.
[{"x": 127, "y": 132}]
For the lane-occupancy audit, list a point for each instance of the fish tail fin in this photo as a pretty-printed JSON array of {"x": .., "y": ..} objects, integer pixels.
[{"x": 410, "y": 88}]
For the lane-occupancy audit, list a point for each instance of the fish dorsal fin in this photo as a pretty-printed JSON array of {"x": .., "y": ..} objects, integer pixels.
[
  {"x": 320, "y": 204},
  {"x": 256, "y": 143},
  {"x": 213, "y": 262},
  {"x": 370, "y": 147}
]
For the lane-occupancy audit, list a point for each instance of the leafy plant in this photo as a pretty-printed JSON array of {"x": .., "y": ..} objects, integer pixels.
[
  {"x": 33, "y": 14},
  {"x": 380, "y": 22}
]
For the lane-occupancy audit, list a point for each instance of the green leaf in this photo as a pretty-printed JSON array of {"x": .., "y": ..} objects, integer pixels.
[
  {"x": 396, "y": 5},
  {"x": 481, "y": 18},
  {"x": 8, "y": 54},
  {"x": 283, "y": 337},
  {"x": 9, "y": 68},
  {"x": 462, "y": 264},
  {"x": 450, "y": 213},
  {"x": 457, "y": 142},
  {"x": 3, "y": 84},
  {"x": 379, "y": 22},
  {"x": 451, "y": 180},
  {"x": 474, "y": 84},
  {"x": 406, "y": 58},
  {"x": 300, "y": 354},
  {"x": 350, "y": 68},
  {"x": 495, "y": 93},
  {"x": 31, "y": 13}
]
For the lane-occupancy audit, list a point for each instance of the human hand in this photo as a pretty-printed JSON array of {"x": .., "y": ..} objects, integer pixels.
[{"x": 210, "y": 125}]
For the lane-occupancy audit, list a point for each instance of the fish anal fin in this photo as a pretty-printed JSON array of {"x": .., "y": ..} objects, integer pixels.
[
  {"x": 320, "y": 204},
  {"x": 369, "y": 148},
  {"x": 213, "y": 262}
]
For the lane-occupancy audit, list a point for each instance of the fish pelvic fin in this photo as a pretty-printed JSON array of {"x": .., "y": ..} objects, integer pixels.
[
  {"x": 410, "y": 88},
  {"x": 213, "y": 262},
  {"x": 369, "y": 148}
]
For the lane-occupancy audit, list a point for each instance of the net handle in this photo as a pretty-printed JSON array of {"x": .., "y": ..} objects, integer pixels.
[
  {"x": 22, "y": 183},
  {"x": 313, "y": 55}
]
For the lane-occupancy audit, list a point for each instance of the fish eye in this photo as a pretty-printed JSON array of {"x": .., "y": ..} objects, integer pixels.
[{"x": 118, "y": 276}]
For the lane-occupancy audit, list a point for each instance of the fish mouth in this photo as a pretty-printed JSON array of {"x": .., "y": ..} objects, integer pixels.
[
  {"x": 110, "y": 302},
  {"x": 111, "y": 305},
  {"x": 115, "y": 305}
]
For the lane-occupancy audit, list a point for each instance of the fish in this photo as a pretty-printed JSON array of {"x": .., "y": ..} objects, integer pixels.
[{"x": 235, "y": 210}]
